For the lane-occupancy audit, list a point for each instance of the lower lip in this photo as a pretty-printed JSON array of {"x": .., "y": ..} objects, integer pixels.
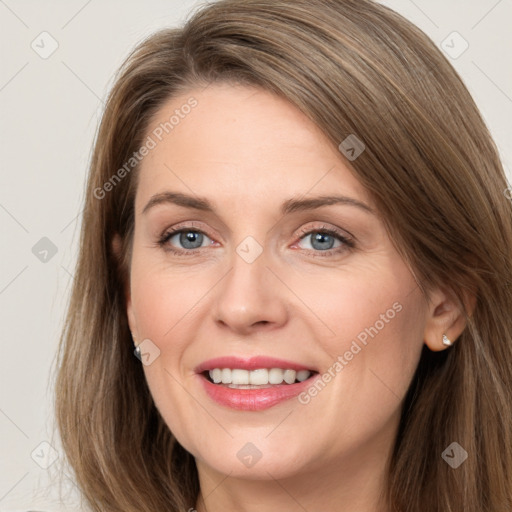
[{"x": 254, "y": 399}]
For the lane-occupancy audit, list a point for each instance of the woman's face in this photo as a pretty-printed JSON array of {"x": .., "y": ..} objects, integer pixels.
[{"x": 240, "y": 175}]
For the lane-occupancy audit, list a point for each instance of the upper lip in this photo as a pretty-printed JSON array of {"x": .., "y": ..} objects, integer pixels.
[{"x": 251, "y": 363}]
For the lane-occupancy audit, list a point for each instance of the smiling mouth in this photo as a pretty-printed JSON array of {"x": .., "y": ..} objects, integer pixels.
[{"x": 256, "y": 379}]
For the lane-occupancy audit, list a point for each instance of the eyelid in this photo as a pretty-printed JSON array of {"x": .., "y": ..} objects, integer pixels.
[
  {"x": 328, "y": 228},
  {"x": 168, "y": 233},
  {"x": 346, "y": 239}
]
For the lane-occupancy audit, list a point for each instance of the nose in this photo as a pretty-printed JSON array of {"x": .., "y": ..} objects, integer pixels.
[{"x": 250, "y": 298}]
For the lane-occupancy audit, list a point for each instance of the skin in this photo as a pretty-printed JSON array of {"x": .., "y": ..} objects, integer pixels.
[{"x": 247, "y": 151}]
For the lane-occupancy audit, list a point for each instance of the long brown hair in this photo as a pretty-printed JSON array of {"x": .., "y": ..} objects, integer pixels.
[{"x": 353, "y": 67}]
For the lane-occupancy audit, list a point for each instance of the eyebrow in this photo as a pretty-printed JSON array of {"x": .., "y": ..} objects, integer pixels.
[{"x": 289, "y": 206}]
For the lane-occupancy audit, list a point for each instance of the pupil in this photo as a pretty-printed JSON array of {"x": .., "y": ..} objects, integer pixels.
[
  {"x": 188, "y": 238},
  {"x": 320, "y": 237}
]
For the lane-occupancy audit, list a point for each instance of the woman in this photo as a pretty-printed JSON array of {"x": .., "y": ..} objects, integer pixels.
[{"x": 297, "y": 216}]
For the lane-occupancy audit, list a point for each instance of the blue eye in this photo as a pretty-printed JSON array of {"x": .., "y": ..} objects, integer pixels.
[
  {"x": 190, "y": 239},
  {"x": 323, "y": 240},
  {"x": 320, "y": 240}
]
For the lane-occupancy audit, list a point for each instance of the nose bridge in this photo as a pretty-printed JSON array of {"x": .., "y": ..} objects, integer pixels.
[{"x": 250, "y": 294}]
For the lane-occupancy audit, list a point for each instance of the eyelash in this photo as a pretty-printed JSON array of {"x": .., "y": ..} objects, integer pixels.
[{"x": 348, "y": 243}]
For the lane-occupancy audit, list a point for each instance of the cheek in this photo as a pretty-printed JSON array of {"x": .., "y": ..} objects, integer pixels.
[
  {"x": 369, "y": 360},
  {"x": 372, "y": 325},
  {"x": 163, "y": 300},
  {"x": 359, "y": 302},
  {"x": 163, "y": 303}
]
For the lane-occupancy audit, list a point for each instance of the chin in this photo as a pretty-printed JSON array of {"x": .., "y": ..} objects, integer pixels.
[{"x": 271, "y": 468}]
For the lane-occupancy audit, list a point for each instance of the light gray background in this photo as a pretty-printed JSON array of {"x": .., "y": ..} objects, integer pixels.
[{"x": 49, "y": 111}]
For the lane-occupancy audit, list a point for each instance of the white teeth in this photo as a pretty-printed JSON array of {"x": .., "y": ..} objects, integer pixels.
[
  {"x": 303, "y": 375},
  {"x": 289, "y": 376},
  {"x": 216, "y": 375},
  {"x": 259, "y": 377},
  {"x": 275, "y": 376},
  {"x": 239, "y": 376},
  {"x": 226, "y": 376}
]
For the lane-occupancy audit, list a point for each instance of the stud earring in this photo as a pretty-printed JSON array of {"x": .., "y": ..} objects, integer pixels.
[
  {"x": 446, "y": 341},
  {"x": 137, "y": 348}
]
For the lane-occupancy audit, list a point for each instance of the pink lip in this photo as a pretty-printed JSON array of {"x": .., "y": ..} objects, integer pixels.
[
  {"x": 253, "y": 363},
  {"x": 254, "y": 399}
]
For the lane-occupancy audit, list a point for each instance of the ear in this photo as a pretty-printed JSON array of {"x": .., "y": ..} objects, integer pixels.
[
  {"x": 117, "y": 248},
  {"x": 445, "y": 317}
]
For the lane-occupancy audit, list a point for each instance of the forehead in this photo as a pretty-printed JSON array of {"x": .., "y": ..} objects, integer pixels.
[{"x": 225, "y": 140}]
